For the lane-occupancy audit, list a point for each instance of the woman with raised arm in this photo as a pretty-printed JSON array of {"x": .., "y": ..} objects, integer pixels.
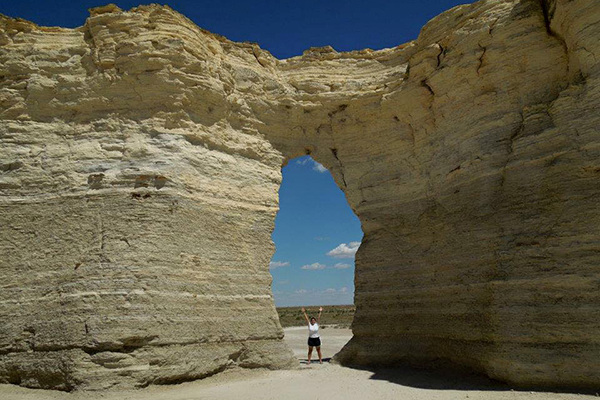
[{"x": 314, "y": 340}]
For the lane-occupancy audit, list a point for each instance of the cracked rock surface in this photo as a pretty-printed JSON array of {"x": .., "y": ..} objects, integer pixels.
[{"x": 140, "y": 161}]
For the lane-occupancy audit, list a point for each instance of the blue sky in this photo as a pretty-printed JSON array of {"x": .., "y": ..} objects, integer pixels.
[
  {"x": 284, "y": 27},
  {"x": 314, "y": 217},
  {"x": 316, "y": 235}
]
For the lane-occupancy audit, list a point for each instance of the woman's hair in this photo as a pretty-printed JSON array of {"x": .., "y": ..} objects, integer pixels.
[{"x": 311, "y": 318}]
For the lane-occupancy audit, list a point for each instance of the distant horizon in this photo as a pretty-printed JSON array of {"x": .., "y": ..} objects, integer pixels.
[{"x": 322, "y": 305}]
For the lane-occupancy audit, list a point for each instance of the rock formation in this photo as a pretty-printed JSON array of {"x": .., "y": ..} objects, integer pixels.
[{"x": 140, "y": 162}]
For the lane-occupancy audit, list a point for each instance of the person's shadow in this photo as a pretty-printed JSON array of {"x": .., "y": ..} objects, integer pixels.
[{"x": 314, "y": 361}]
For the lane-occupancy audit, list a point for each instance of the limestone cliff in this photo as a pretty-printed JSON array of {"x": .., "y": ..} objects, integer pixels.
[{"x": 140, "y": 163}]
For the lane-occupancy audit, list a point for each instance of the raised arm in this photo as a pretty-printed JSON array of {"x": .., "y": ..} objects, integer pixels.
[
  {"x": 319, "y": 317},
  {"x": 305, "y": 316}
]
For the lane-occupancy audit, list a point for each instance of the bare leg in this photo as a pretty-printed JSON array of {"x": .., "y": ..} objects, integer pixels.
[
  {"x": 319, "y": 353},
  {"x": 309, "y": 353}
]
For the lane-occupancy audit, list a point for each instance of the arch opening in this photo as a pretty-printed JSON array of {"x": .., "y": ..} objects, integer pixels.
[{"x": 316, "y": 237}]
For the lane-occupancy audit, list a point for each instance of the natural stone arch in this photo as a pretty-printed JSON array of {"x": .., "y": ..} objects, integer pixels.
[{"x": 140, "y": 188}]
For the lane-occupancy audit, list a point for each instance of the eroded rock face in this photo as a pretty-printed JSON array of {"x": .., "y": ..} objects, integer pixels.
[{"x": 141, "y": 161}]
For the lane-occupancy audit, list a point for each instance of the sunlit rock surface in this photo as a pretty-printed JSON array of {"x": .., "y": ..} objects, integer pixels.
[{"x": 140, "y": 162}]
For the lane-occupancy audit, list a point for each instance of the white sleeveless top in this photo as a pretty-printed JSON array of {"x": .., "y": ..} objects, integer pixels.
[{"x": 313, "y": 330}]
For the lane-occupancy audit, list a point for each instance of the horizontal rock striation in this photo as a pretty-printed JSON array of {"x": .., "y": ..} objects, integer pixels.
[{"x": 140, "y": 164}]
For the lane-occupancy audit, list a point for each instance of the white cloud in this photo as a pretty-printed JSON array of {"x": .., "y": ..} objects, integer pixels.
[
  {"x": 278, "y": 264},
  {"x": 342, "y": 266},
  {"x": 315, "y": 165},
  {"x": 314, "y": 266},
  {"x": 332, "y": 291},
  {"x": 319, "y": 167},
  {"x": 313, "y": 297},
  {"x": 344, "y": 250}
]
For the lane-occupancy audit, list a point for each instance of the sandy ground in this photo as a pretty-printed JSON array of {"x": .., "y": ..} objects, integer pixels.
[
  {"x": 332, "y": 341},
  {"x": 315, "y": 381}
]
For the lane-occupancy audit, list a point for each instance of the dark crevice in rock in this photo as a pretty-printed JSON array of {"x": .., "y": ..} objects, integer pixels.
[
  {"x": 426, "y": 85},
  {"x": 335, "y": 155},
  {"x": 235, "y": 356},
  {"x": 574, "y": 74},
  {"x": 11, "y": 166},
  {"x": 127, "y": 345},
  {"x": 548, "y": 9},
  {"x": 185, "y": 377},
  {"x": 95, "y": 181},
  {"x": 454, "y": 169},
  {"x": 440, "y": 54},
  {"x": 13, "y": 377},
  {"x": 257, "y": 59},
  {"x": 480, "y": 59},
  {"x": 340, "y": 108}
]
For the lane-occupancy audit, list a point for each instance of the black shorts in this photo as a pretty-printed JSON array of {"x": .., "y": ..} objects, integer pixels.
[{"x": 314, "y": 342}]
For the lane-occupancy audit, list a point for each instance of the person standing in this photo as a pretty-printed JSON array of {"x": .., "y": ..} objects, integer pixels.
[{"x": 314, "y": 339}]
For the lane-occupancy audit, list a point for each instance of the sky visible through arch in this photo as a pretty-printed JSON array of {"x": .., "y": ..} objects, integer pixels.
[{"x": 316, "y": 237}]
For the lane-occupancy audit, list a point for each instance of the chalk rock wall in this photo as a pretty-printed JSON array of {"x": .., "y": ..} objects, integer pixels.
[
  {"x": 141, "y": 161},
  {"x": 136, "y": 208}
]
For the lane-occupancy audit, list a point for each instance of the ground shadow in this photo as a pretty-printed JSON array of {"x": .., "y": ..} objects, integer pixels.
[
  {"x": 451, "y": 379},
  {"x": 313, "y": 361},
  {"x": 439, "y": 379}
]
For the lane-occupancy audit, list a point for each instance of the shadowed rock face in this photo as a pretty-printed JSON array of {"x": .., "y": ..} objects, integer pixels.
[{"x": 140, "y": 162}]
